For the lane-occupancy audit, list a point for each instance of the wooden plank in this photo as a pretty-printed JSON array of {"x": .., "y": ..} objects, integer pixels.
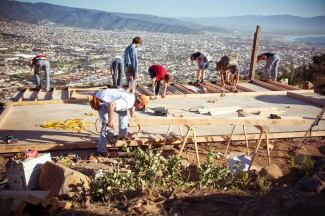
[
  {"x": 191, "y": 90},
  {"x": 183, "y": 89},
  {"x": 220, "y": 112},
  {"x": 37, "y": 95},
  {"x": 309, "y": 99},
  {"x": 142, "y": 142},
  {"x": 5, "y": 113},
  {"x": 73, "y": 94},
  {"x": 242, "y": 88},
  {"x": 145, "y": 91},
  {"x": 25, "y": 103},
  {"x": 268, "y": 85},
  {"x": 5, "y": 205},
  {"x": 256, "y": 109},
  {"x": 207, "y": 110},
  {"x": 24, "y": 95},
  {"x": 29, "y": 196},
  {"x": 18, "y": 207},
  {"x": 214, "y": 121},
  {"x": 289, "y": 87},
  {"x": 254, "y": 52}
]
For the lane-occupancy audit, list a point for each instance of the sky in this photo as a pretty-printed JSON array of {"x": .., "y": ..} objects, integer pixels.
[{"x": 200, "y": 8}]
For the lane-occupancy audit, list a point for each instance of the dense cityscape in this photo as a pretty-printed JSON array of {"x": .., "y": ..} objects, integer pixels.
[{"x": 79, "y": 57}]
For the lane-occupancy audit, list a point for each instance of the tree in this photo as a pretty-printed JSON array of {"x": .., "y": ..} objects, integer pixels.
[{"x": 312, "y": 72}]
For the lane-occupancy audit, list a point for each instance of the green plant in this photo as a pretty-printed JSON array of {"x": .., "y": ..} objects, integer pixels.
[
  {"x": 297, "y": 171},
  {"x": 148, "y": 167},
  {"x": 173, "y": 177},
  {"x": 211, "y": 175},
  {"x": 105, "y": 186}
]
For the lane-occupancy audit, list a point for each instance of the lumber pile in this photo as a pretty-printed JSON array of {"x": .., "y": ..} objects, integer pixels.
[{"x": 15, "y": 202}]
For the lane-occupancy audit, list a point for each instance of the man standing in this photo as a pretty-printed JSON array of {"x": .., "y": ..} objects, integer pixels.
[
  {"x": 157, "y": 73},
  {"x": 131, "y": 63},
  {"x": 40, "y": 62},
  {"x": 272, "y": 60},
  {"x": 120, "y": 101},
  {"x": 116, "y": 66},
  {"x": 203, "y": 64}
]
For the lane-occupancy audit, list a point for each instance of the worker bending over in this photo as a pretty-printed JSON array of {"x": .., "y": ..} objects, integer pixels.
[
  {"x": 228, "y": 63},
  {"x": 120, "y": 101},
  {"x": 158, "y": 73}
]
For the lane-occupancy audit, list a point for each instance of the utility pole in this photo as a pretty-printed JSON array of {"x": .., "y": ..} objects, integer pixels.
[{"x": 254, "y": 53}]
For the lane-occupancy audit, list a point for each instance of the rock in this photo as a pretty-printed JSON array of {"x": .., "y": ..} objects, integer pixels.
[
  {"x": 61, "y": 180},
  {"x": 272, "y": 171},
  {"x": 315, "y": 183}
]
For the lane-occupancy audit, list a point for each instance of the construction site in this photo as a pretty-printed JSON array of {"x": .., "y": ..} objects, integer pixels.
[
  {"x": 267, "y": 122},
  {"x": 195, "y": 115}
]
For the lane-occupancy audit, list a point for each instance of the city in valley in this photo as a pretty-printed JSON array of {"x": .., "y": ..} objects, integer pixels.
[{"x": 79, "y": 57}]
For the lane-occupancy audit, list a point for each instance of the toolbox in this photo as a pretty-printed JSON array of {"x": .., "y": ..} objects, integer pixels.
[{"x": 24, "y": 174}]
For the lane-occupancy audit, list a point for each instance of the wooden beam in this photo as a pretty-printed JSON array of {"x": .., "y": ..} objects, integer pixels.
[
  {"x": 254, "y": 53},
  {"x": 319, "y": 102},
  {"x": 215, "y": 121},
  {"x": 25, "y": 103},
  {"x": 5, "y": 113},
  {"x": 269, "y": 85},
  {"x": 145, "y": 91},
  {"x": 4, "y": 148},
  {"x": 207, "y": 110},
  {"x": 289, "y": 87}
]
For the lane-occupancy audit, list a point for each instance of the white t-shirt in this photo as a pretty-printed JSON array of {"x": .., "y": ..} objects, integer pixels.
[
  {"x": 123, "y": 100},
  {"x": 110, "y": 66}
]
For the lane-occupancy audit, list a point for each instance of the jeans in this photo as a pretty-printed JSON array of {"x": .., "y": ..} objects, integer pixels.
[
  {"x": 117, "y": 65},
  {"x": 273, "y": 62},
  {"x": 42, "y": 64},
  {"x": 205, "y": 65},
  {"x": 130, "y": 77},
  {"x": 123, "y": 126}
]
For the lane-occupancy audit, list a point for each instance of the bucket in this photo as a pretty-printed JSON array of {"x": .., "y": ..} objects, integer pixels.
[{"x": 245, "y": 162}]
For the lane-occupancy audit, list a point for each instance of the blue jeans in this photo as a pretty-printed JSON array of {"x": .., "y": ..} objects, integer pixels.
[
  {"x": 273, "y": 62},
  {"x": 118, "y": 66},
  {"x": 42, "y": 64},
  {"x": 123, "y": 126}
]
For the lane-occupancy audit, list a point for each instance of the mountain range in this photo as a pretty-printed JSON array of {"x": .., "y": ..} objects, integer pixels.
[{"x": 45, "y": 13}]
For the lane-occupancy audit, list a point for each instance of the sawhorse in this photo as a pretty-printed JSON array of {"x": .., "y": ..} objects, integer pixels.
[
  {"x": 193, "y": 130},
  {"x": 263, "y": 131}
]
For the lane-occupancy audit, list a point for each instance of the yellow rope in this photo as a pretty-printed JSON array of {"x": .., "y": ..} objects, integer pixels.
[{"x": 70, "y": 124}]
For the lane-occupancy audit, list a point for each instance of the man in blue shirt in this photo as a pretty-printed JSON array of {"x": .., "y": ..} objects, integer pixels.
[{"x": 131, "y": 63}]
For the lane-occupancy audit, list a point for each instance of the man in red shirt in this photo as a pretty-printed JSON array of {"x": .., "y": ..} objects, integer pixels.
[{"x": 157, "y": 73}]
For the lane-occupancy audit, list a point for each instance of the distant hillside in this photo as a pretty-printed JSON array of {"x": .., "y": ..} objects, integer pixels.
[
  {"x": 275, "y": 24},
  {"x": 86, "y": 18}
]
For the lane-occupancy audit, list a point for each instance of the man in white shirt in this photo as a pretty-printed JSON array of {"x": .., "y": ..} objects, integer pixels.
[{"x": 120, "y": 101}]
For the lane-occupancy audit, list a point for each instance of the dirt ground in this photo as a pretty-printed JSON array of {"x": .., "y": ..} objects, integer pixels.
[{"x": 207, "y": 201}]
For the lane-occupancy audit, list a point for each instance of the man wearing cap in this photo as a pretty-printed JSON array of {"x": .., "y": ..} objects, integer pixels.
[{"x": 120, "y": 101}]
